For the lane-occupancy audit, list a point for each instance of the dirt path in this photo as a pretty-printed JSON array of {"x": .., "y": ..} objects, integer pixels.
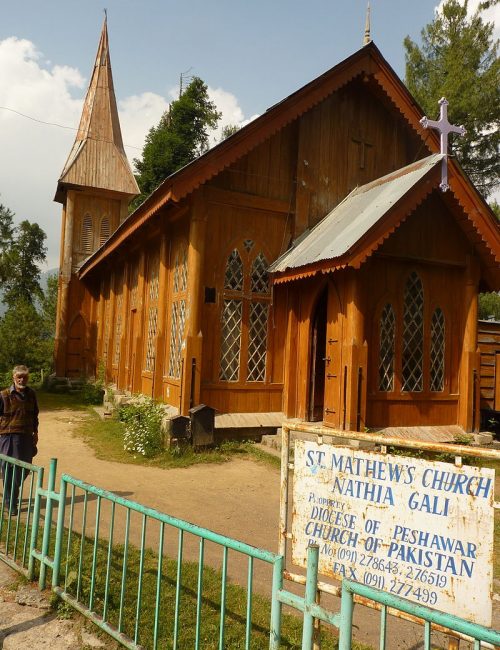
[{"x": 239, "y": 499}]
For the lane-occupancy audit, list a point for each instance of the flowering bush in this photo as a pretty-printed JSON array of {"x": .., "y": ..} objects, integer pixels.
[{"x": 143, "y": 433}]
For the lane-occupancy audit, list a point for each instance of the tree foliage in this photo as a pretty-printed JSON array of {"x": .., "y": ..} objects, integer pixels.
[
  {"x": 458, "y": 59},
  {"x": 28, "y": 326},
  {"x": 22, "y": 273},
  {"x": 180, "y": 137},
  {"x": 489, "y": 306}
]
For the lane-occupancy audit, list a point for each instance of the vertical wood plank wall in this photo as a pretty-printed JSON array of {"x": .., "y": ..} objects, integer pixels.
[{"x": 283, "y": 186}]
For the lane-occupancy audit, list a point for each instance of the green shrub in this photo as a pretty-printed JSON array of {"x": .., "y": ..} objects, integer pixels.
[
  {"x": 143, "y": 433},
  {"x": 92, "y": 392}
]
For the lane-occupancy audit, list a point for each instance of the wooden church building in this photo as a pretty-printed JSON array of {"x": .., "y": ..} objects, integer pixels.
[{"x": 308, "y": 265}]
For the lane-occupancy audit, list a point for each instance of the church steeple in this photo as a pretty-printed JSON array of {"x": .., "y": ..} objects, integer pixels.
[
  {"x": 367, "y": 37},
  {"x": 95, "y": 188},
  {"x": 97, "y": 158}
]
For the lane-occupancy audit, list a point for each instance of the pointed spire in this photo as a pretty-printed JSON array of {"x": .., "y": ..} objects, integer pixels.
[
  {"x": 367, "y": 38},
  {"x": 97, "y": 158}
]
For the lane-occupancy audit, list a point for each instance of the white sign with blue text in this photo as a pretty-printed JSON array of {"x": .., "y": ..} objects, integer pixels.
[{"x": 419, "y": 529}]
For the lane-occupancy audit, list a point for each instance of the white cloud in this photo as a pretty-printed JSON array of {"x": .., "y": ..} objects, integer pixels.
[
  {"x": 232, "y": 113},
  {"x": 138, "y": 114},
  {"x": 33, "y": 153}
]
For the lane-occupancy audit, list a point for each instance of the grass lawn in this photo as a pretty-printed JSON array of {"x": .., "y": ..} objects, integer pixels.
[{"x": 106, "y": 439}]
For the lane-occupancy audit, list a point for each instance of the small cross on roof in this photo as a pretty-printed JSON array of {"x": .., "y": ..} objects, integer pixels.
[{"x": 444, "y": 127}]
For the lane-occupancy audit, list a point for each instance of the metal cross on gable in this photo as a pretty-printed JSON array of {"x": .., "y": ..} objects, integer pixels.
[{"x": 445, "y": 128}]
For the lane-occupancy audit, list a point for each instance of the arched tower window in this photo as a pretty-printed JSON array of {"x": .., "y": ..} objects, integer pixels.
[
  {"x": 387, "y": 349},
  {"x": 105, "y": 231},
  {"x": 413, "y": 335},
  {"x": 437, "y": 350},
  {"x": 244, "y": 315},
  {"x": 87, "y": 234}
]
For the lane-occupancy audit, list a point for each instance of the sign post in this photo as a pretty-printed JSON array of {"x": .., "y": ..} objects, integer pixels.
[{"x": 419, "y": 529}]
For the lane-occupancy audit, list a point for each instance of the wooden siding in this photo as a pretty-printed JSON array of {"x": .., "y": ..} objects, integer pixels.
[{"x": 488, "y": 338}]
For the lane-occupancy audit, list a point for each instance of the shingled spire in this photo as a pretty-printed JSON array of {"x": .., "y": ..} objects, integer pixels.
[{"x": 97, "y": 158}]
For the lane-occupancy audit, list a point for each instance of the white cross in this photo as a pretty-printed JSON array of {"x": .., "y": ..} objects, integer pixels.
[{"x": 444, "y": 127}]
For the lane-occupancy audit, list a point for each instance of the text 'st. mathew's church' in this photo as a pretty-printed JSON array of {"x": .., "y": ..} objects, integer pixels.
[{"x": 308, "y": 266}]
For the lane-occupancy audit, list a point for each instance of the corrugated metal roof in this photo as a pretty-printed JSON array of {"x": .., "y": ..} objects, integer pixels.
[{"x": 343, "y": 227}]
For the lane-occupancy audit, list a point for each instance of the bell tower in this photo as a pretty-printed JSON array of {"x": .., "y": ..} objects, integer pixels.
[{"x": 95, "y": 188}]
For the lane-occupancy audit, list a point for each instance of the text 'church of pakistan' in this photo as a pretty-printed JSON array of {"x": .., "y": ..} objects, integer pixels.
[{"x": 309, "y": 266}]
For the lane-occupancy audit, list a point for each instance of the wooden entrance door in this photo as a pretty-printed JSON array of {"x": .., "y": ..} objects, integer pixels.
[
  {"x": 334, "y": 410},
  {"x": 75, "y": 348}
]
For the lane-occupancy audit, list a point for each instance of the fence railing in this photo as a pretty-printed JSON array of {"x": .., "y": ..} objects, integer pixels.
[
  {"x": 19, "y": 513},
  {"x": 478, "y": 633},
  {"x": 109, "y": 558}
]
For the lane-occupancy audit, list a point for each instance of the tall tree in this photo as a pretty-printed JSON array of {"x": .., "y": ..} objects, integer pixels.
[
  {"x": 6, "y": 235},
  {"x": 181, "y": 136},
  {"x": 458, "y": 59},
  {"x": 21, "y": 259}
]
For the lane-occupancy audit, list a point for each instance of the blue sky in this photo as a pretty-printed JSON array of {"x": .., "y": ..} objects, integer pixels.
[{"x": 251, "y": 55}]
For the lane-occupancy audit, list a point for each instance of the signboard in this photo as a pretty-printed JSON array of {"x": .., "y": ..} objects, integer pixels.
[{"x": 418, "y": 529}]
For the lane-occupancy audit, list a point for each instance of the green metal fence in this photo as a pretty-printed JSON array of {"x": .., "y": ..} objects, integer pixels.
[
  {"x": 478, "y": 633},
  {"x": 104, "y": 551},
  {"x": 20, "y": 518}
]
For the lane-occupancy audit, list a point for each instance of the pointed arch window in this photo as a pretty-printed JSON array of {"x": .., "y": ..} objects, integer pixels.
[
  {"x": 233, "y": 278},
  {"x": 244, "y": 315},
  {"x": 178, "y": 312},
  {"x": 412, "y": 343},
  {"x": 87, "y": 234},
  {"x": 438, "y": 337},
  {"x": 413, "y": 335},
  {"x": 387, "y": 344},
  {"x": 105, "y": 231},
  {"x": 152, "y": 312}
]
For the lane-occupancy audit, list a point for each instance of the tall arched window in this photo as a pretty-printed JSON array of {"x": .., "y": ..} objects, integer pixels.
[
  {"x": 87, "y": 234},
  {"x": 105, "y": 231},
  {"x": 244, "y": 315},
  {"x": 412, "y": 378},
  {"x": 153, "y": 286},
  {"x": 437, "y": 350},
  {"x": 387, "y": 334},
  {"x": 408, "y": 338},
  {"x": 232, "y": 312},
  {"x": 178, "y": 313}
]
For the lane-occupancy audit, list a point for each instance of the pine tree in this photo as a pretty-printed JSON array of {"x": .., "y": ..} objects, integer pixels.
[
  {"x": 458, "y": 59},
  {"x": 180, "y": 137}
]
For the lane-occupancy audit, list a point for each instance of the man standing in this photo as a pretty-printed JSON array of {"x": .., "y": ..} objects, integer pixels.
[{"x": 18, "y": 433}]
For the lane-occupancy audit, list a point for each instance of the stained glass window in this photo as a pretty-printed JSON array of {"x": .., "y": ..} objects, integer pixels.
[
  {"x": 260, "y": 279},
  {"x": 437, "y": 350},
  {"x": 245, "y": 308},
  {"x": 231, "y": 340},
  {"x": 178, "y": 312},
  {"x": 153, "y": 281},
  {"x": 387, "y": 349},
  {"x": 413, "y": 335},
  {"x": 234, "y": 272}
]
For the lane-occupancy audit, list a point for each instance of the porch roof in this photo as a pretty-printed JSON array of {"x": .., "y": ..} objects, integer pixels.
[{"x": 338, "y": 233}]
